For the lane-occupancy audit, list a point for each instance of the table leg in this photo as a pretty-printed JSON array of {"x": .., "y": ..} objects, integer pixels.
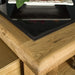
[{"x": 27, "y": 70}]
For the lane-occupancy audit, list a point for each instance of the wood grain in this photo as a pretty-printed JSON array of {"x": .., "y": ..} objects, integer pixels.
[
  {"x": 12, "y": 68},
  {"x": 28, "y": 71},
  {"x": 41, "y": 55},
  {"x": 53, "y": 72},
  {"x": 65, "y": 69},
  {"x": 9, "y": 62}
]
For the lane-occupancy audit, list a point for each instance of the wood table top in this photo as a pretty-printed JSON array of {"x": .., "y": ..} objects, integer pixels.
[{"x": 43, "y": 54}]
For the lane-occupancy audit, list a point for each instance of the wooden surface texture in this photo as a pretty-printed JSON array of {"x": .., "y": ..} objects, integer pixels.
[
  {"x": 9, "y": 62},
  {"x": 63, "y": 69},
  {"x": 41, "y": 55}
]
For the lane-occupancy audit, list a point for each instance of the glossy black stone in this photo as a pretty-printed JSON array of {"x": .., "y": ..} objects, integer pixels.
[{"x": 37, "y": 29}]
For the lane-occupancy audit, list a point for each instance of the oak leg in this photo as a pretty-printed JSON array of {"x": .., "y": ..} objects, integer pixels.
[{"x": 27, "y": 70}]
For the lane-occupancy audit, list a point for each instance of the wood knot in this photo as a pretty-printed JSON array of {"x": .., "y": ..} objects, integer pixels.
[
  {"x": 57, "y": 40},
  {"x": 3, "y": 33}
]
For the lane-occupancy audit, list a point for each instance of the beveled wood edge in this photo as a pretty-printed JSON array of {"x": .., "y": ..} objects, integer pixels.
[
  {"x": 4, "y": 32},
  {"x": 8, "y": 38}
]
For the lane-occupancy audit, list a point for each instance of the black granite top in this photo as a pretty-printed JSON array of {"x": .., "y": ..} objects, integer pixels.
[{"x": 37, "y": 29}]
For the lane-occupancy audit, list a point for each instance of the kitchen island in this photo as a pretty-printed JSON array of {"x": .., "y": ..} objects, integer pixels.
[{"x": 42, "y": 55}]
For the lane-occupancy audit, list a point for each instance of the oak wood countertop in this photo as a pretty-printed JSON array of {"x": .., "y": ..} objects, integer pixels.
[{"x": 41, "y": 55}]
